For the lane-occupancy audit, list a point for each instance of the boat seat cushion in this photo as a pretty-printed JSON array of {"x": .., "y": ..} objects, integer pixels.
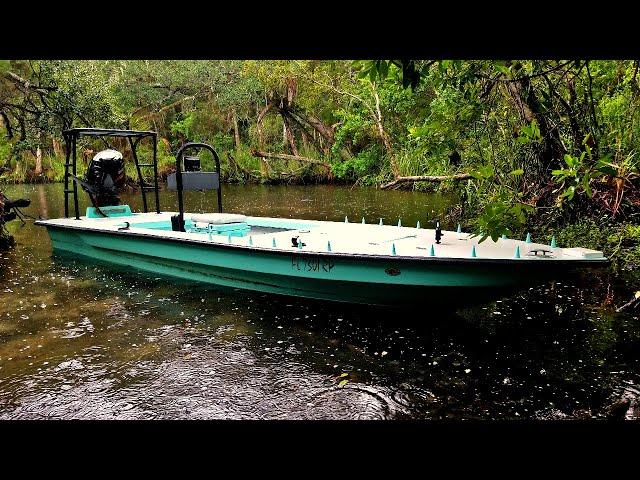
[{"x": 218, "y": 218}]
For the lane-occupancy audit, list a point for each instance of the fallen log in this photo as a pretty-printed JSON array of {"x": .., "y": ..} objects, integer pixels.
[
  {"x": 288, "y": 158},
  {"x": 426, "y": 178}
]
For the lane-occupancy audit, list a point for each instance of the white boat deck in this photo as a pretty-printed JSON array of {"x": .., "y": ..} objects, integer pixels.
[{"x": 348, "y": 238}]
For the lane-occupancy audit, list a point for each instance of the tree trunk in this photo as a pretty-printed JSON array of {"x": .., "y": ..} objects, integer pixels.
[
  {"x": 259, "y": 126},
  {"x": 288, "y": 133},
  {"x": 292, "y": 89},
  {"x": 38, "y": 169},
  {"x": 259, "y": 120},
  {"x": 291, "y": 113},
  {"x": 596, "y": 127},
  {"x": 57, "y": 148},
  {"x": 325, "y": 131},
  {"x": 305, "y": 140},
  {"x": 304, "y": 133},
  {"x": 236, "y": 133},
  {"x": 7, "y": 124},
  {"x": 264, "y": 166},
  {"x": 383, "y": 134},
  {"x": 381, "y": 130},
  {"x": 576, "y": 131},
  {"x": 526, "y": 102}
]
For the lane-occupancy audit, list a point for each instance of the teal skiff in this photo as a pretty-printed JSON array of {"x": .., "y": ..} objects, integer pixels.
[
  {"x": 351, "y": 262},
  {"x": 368, "y": 263}
]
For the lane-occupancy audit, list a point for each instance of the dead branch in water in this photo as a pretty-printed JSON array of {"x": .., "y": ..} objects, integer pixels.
[
  {"x": 289, "y": 158},
  {"x": 633, "y": 303},
  {"x": 426, "y": 178}
]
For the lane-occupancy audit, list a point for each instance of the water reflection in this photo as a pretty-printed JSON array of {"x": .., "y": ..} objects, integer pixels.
[{"x": 86, "y": 340}]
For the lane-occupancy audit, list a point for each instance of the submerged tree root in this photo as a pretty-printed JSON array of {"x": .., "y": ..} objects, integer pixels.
[{"x": 6, "y": 241}]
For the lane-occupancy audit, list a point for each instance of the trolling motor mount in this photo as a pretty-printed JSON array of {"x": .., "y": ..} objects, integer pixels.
[{"x": 192, "y": 179}]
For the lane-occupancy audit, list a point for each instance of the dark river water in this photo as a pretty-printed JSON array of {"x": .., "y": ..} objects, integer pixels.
[{"x": 81, "y": 340}]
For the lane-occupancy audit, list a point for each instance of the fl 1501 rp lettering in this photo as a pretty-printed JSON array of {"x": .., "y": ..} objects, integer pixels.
[{"x": 311, "y": 264}]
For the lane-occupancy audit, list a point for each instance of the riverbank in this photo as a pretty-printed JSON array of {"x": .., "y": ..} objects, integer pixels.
[{"x": 236, "y": 167}]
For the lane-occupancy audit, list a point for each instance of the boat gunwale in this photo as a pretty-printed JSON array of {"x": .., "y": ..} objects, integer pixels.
[{"x": 591, "y": 262}]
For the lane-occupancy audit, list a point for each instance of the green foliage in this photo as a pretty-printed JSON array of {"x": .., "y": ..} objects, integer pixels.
[
  {"x": 5, "y": 148},
  {"x": 581, "y": 171},
  {"x": 501, "y": 211},
  {"x": 529, "y": 133},
  {"x": 364, "y": 166},
  {"x": 355, "y": 131},
  {"x": 575, "y": 178},
  {"x": 56, "y": 168},
  {"x": 183, "y": 126},
  {"x": 502, "y": 215}
]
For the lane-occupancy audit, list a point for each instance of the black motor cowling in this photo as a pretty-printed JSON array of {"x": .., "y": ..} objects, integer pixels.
[{"x": 106, "y": 177}]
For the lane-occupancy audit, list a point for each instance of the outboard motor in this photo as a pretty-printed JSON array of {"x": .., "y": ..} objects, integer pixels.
[{"x": 105, "y": 177}]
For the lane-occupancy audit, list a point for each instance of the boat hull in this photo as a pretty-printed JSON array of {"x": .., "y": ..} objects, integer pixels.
[{"x": 360, "y": 279}]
